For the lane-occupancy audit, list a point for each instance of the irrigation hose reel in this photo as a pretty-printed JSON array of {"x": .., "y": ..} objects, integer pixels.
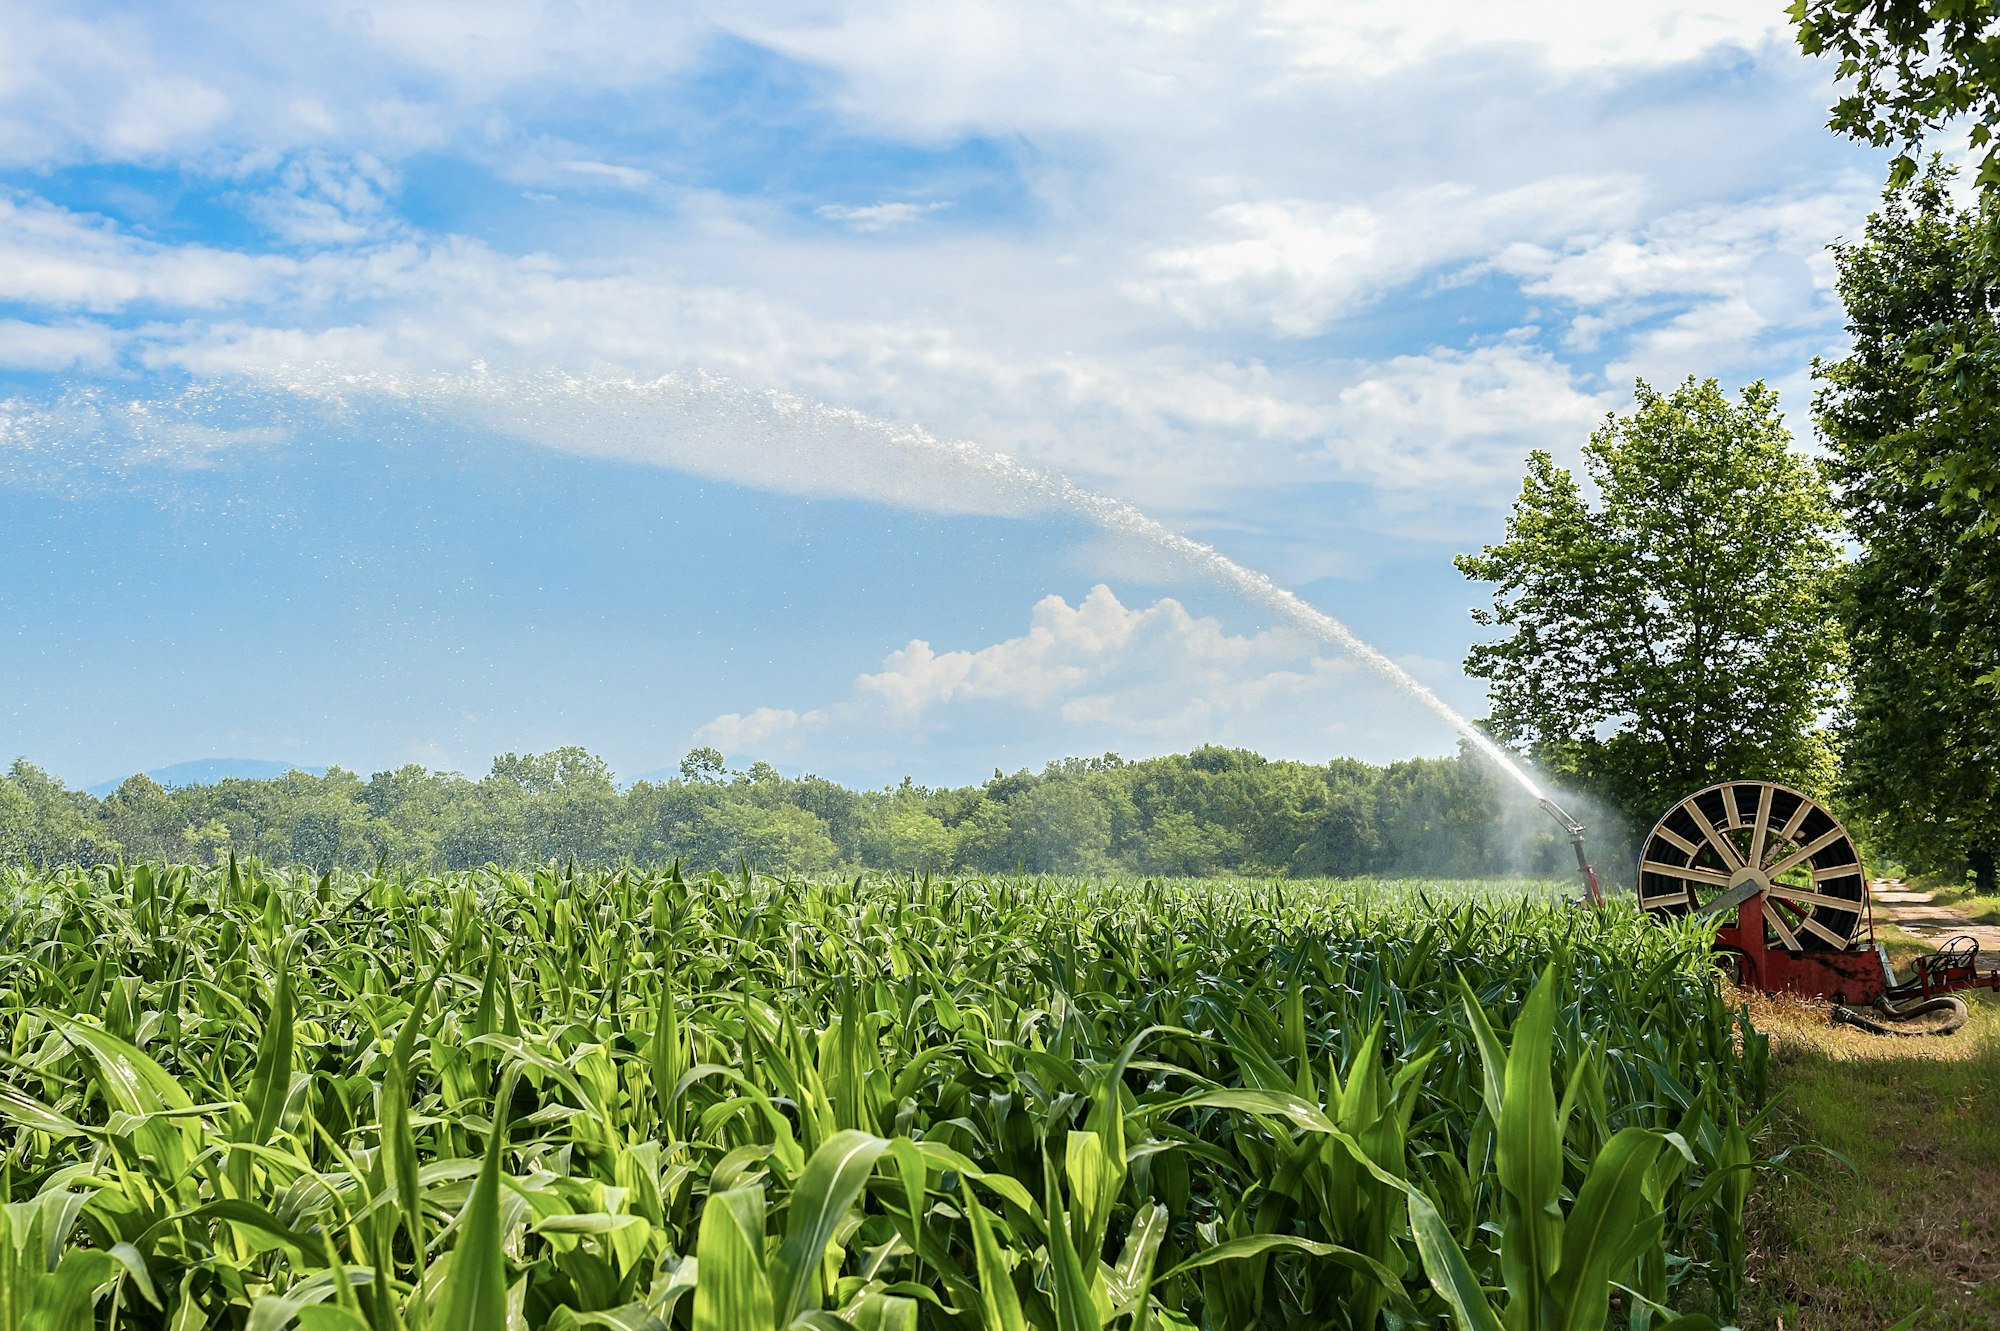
[{"x": 1787, "y": 880}]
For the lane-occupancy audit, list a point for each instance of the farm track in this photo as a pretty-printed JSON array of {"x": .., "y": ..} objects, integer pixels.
[{"x": 1917, "y": 913}]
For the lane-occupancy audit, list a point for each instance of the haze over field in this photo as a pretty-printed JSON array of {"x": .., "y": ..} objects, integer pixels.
[{"x": 1305, "y": 281}]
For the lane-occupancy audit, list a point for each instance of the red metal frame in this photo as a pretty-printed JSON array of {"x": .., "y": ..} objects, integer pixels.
[{"x": 1859, "y": 974}]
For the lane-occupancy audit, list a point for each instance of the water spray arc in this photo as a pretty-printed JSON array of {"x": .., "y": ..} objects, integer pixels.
[{"x": 702, "y": 423}]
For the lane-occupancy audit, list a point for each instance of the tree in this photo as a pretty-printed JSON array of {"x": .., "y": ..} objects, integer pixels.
[
  {"x": 42, "y": 822},
  {"x": 143, "y": 820},
  {"x": 1921, "y": 600},
  {"x": 777, "y": 840},
  {"x": 1913, "y": 66},
  {"x": 897, "y": 832},
  {"x": 703, "y": 764},
  {"x": 1679, "y": 630},
  {"x": 1916, "y": 65}
]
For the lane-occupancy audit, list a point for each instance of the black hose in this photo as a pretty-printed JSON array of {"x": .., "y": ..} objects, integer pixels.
[{"x": 1946, "y": 1003}]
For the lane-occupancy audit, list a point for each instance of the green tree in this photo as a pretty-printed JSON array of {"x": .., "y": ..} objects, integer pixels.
[
  {"x": 559, "y": 805},
  {"x": 1179, "y": 845},
  {"x": 703, "y": 764},
  {"x": 1921, "y": 599},
  {"x": 315, "y": 821},
  {"x": 1060, "y": 826},
  {"x": 1913, "y": 66},
  {"x": 144, "y": 820},
  {"x": 779, "y": 840},
  {"x": 43, "y": 822},
  {"x": 898, "y": 832},
  {"x": 1678, "y": 629}
]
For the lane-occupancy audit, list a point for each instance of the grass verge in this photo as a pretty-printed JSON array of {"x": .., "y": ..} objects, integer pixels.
[
  {"x": 1914, "y": 1227},
  {"x": 1978, "y": 909}
]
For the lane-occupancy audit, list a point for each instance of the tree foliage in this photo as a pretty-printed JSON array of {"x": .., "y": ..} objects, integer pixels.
[
  {"x": 1914, "y": 65},
  {"x": 1909, "y": 66},
  {"x": 1214, "y": 811},
  {"x": 1921, "y": 599},
  {"x": 1677, "y": 629}
]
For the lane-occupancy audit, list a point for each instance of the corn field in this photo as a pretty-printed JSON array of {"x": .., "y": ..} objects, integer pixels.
[{"x": 236, "y": 1097}]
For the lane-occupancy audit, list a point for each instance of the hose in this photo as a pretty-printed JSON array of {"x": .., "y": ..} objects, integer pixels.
[{"x": 1947, "y": 1003}]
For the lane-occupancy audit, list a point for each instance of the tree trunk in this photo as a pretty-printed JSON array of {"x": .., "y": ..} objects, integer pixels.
[{"x": 1982, "y": 871}]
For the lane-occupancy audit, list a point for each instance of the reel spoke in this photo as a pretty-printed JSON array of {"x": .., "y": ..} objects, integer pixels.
[
  {"x": 1687, "y": 873},
  {"x": 1804, "y": 900},
  {"x": 1761, "y": 834},
  {"x": 1807, "y": 851},
  {"x": 1778, "y": 925}
]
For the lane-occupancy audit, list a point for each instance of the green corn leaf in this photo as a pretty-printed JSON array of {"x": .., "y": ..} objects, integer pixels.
[
  {"x": 1258, "y": 1245},
  {"x": 32, "y": 1114},
  {"x": 1132, "y": 1278},
  {"x": 474, "y": 1296},
  {"x": 1528, "y": 1160},
  {"x": 1445, "y": 1265},
  {"x": 999, "y": 1305},
  {"x": 271, "y": 1081},
  {"x": 133, "y": 1264},
  {"x": 833, "y": 1178},
  {"x": 1075, "y": 1309},
  {"x": 731, "y": 1292},
  {"x": 884, "y": 1312},
  {"x": 1608, "y": 1225},
  {"x": 398, "y": 1137},
  {"x": 1492, "y": 1056},
  {"x": 131, "y": 1081}
]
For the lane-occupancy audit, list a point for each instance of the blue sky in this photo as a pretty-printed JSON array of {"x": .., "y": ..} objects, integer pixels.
[{"x": 386, "y": 383}]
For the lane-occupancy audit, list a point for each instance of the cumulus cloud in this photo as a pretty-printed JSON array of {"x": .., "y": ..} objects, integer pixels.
[
  {"x": 55, "y": 258},
  {"x": 319, "y": 200},
  {"x": 1100, "y": 674},
  {"x": 1377, "y": 35},
  {"x": 1462, "y": 417},
  {"x": 1703, "y": 290},
  {"x": 56, "y": 346},
  {"x": 1177, "y": 183},
  {"x": 1297, "y": 266}
]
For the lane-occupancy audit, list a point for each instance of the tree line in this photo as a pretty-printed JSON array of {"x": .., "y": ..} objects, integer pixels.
[{"x": 1211, "y": 812}]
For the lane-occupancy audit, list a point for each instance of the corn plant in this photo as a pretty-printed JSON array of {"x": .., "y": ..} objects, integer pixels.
[{"x": 255, "y": 1098}]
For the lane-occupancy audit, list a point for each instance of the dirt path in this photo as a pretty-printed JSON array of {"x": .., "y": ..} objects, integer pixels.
[{"x": 1914, "y": 913}]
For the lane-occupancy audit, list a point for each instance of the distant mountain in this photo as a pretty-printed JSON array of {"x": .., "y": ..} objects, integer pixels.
[{"x": 208, "y": 771}]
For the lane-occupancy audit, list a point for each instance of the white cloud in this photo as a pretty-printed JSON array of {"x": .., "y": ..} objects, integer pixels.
[
  {"x": 1374, "y": 36},
  {"x": 70, "y": 82},
  {"x": 1100, "y": 674},
  {"x": 878, "y": 216},
  {"x": 624, "y": 177},
  {"x": 58, "y": 259},
  {"x": 1056, "y": 66},
  {"x": 58, "y": 346},
  {"x": 1448, "y": 418},
  {"x": 1237, "y": 168},
  {"x": 1713, "y": 289},
  {"x": 1297, "y": 266},
  {"x": 321, "y": 201}
]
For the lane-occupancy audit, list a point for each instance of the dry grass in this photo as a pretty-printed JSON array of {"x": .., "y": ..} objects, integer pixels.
[{"x": 1913, "y": 1227}]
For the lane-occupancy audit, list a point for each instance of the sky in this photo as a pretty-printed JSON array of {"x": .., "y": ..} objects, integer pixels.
[{"x": 416, "y": 382}]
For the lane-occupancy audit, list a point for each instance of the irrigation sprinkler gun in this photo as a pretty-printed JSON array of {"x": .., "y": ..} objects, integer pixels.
[{"x": 1575, "y": 831}]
